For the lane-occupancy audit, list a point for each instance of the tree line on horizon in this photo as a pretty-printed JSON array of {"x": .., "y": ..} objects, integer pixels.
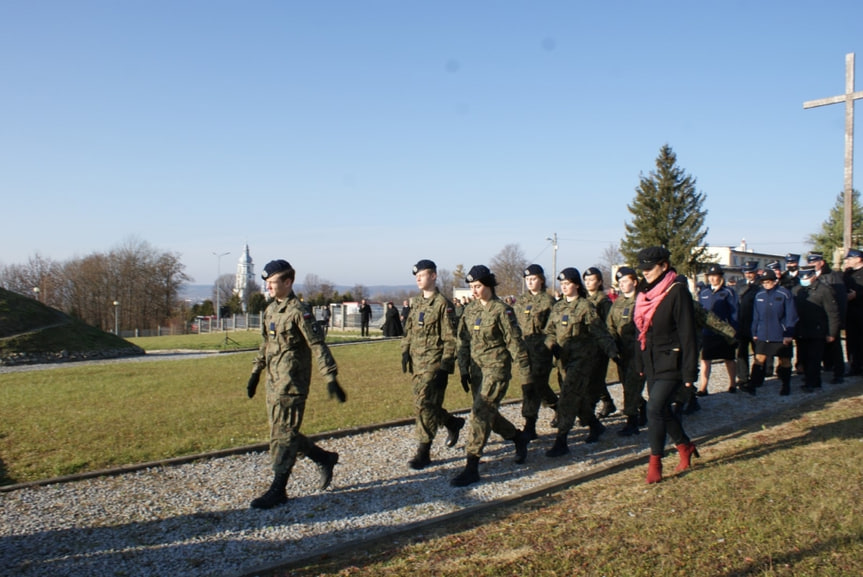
[{"x": 146, "y": 283}]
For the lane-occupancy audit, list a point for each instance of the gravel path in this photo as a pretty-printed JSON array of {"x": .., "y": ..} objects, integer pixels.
[{"x": 194, "y": 520}]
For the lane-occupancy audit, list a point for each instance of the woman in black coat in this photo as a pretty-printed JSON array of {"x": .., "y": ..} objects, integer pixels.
[
  {"x": 392, "y": 324},
  {"x": 667, "y": 353}
]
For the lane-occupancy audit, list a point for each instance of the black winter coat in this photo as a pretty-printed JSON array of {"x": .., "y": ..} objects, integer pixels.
[{"x": 671, "y": 352}]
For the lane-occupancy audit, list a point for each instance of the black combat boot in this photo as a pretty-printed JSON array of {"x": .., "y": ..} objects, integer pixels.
[
  {"x": 422, "y": 459},
  {"x": 756, "y": 379},
  {"x": 469, "y": 475},
  {"x": 530, "y": 428},
  {"x": 453, "y": 426},
  {"x": 642, "y": 413},
  {"x": 326, "y": 461},
  {"x": 631, "y": 427},
  {"x": 521, "y": 440},
  {"x": 606, "y": 408},
  {"x": 275, "y": 495},
  {"x": 559, "y": 448},
  {"x": 596, "y": 429}
]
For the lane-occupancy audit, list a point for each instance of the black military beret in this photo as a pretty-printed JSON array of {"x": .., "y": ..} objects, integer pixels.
[
  {"x": 275, "y": 267},
  {"x": 534, "y": 269},
  {"x": 480, "y": 273},
  {"x": 715, "y": 269},
  {"x": 651, "y": 256},
  {"x": 424, "y": 264},
  {"x": 570, "y": 274},
  {"x": 625, "y": 271},
  {"x": 750, "y": 266},
  {"x": 814, "y": 257},
  {"x": 592, "y": 271}
]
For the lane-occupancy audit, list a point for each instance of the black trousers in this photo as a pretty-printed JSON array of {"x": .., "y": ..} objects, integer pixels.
[
  {"x": 661, "y": 420},
  {"x": 809, "y": 354}
]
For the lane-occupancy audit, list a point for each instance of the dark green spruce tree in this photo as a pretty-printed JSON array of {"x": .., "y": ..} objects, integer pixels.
[
  {"x": 830, "y": 238},
  {"x": 667, "y": 211}
]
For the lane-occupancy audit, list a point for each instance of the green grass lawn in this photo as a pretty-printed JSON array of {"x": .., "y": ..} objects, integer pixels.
[{"x": 88, "y": 417}]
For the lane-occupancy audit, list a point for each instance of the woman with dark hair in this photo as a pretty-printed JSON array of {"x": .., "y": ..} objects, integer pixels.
[
  {"x": 576, "y": 336},
  {"x": 668, "y": 354},
  {"x": 533, "y": 309},
  {"x": 392, "y": 324},
  {"x": 490, "y": 343}
]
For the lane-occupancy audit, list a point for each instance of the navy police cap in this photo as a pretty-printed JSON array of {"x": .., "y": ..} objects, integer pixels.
[
  {"x": 854, "y": 253},
  {"x": 750, "y": 266},
  {"x": 807, "y": 271},
  {"x": 814, "y": 257},
  {"x": 791, "y": 257}
]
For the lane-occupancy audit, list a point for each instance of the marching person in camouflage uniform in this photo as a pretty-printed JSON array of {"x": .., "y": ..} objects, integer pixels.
[
  {"x": 622, "y": 327},
  {"x": 575, "y": 334},
  {"x": 532, "y": 310},
  {"x": 290, "y": 335},
  {"x": 428, "y": 353},
  {"x": 490, "y": 343},
  {"x": 598, "y": 372}
]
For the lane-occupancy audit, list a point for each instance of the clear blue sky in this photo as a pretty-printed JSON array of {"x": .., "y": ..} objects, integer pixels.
[{"x": 353, "y": 138}]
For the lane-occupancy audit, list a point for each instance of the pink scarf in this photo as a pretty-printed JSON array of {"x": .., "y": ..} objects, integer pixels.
[{"x": 646, "y": 303}]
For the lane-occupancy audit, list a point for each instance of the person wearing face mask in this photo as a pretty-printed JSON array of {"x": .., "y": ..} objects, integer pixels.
[
  {"x": 790, "y": 278},
  {"x": 834, "y": 357},
  {"x": 818, "y": 324}
]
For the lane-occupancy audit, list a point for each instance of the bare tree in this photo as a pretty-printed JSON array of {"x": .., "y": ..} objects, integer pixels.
[
  {"x": 445, "y": 282},
  {"x": 609, "y": 258},
  {"x": 508, "y": 267}
]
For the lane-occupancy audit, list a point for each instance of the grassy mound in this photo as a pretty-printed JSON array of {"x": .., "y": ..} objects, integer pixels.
[{"x": 33, "y": 332}]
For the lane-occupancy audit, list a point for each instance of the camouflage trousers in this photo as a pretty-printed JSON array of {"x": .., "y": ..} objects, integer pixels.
[
  {"x": 538, "y": 393},
  {"x": 575, "y": 397},
  {"x": 598, "y": 373},
  {"x": 485, "y": 418},
  {"x": 428, "y": 402},
  {"x": 286, "y": 441}
]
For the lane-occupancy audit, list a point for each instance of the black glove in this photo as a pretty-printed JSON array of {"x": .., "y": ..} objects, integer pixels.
[
  {"x": 439, "y": 379},
  {"x": 336, "y": 392},
  {"x": 253, "y": 384},
  {"x": 555, "y": 350},
  {"x": 407, "y": 363},
  {"x": 465, "y": 383}
]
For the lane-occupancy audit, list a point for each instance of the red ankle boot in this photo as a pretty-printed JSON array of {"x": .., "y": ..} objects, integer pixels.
[
  {"x": 686, "y": 451},
  {"x": 654, "y": 469}
]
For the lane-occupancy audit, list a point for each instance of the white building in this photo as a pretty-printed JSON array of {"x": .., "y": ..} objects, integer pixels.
[
  {"x": 732, "y": 258},
  {"x": 245, "y": 276}
]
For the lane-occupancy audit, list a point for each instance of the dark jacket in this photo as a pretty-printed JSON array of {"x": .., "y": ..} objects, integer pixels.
[
  {"x": 833, "y": 279},
  {"x": 746, "y": 293},
  {"x": 817, "y": 311},
  {"x": 670, "y": 351}
]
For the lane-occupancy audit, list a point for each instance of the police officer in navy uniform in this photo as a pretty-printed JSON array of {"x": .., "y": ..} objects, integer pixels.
[
  {"x": 721, "y": 301},
  {"x": 834, "y": 358},
  {"x": 789, "y": 278},
  {"x": 746, "y": 296},
  {"x": 853, "y": 276}
]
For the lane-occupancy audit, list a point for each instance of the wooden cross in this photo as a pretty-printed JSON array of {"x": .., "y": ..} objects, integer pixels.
[{"x": 848, "y": 98}]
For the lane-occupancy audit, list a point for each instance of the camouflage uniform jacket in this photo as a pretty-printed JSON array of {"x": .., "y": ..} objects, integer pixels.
[
  {"x": 602, "y": 304},
  {"x": 532, "y": 312},
  {"x": 621, "y": 324},
  {"x": 489, "y": 336},
  {"x": 430, "y": 334},
  {"x": 290, "y": 335},
  {"x": 576, "y": 327}
]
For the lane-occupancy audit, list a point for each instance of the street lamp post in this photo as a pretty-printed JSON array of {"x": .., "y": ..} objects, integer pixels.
[
  {"x": 218, "y": 291},
  {"x": 116, "y": 318},
  {"x": 553, "y": 240}
]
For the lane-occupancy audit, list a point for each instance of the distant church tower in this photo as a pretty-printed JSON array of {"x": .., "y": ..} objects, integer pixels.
[{"x": 245, "y": 277}]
